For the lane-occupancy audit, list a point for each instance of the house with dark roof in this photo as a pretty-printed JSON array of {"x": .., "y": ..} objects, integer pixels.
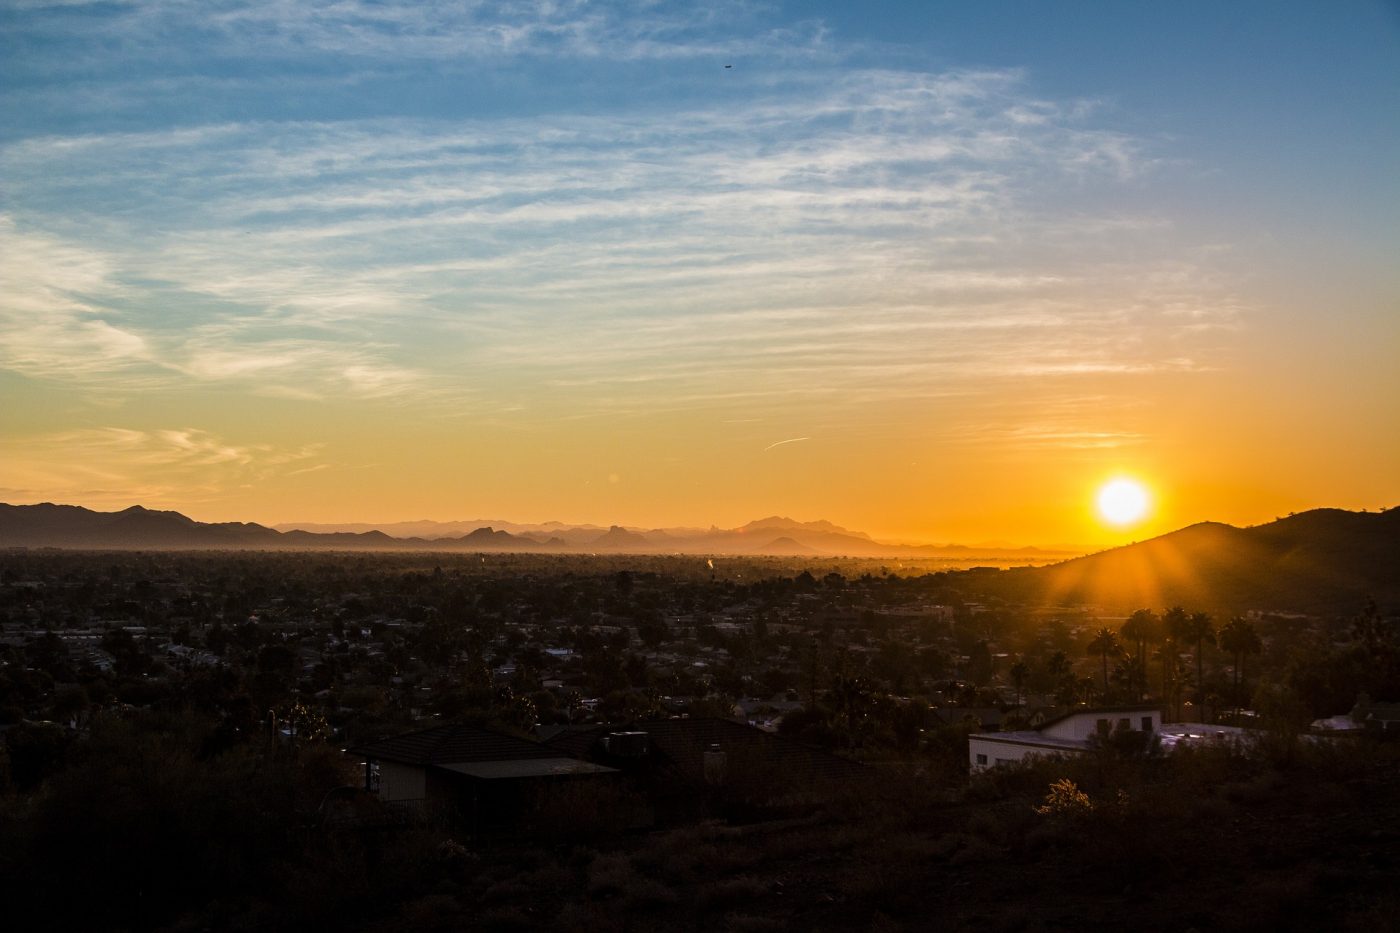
[
  {"x": 683, "y": 764},
  {"x": 483, "y": 780}
]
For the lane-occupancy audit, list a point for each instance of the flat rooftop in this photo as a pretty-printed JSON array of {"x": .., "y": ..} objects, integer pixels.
[{"x": 1030, "y": 737}]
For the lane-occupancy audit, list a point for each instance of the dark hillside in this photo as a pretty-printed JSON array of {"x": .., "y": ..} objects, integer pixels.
[
  {"x": 49, "y": 525},
  {"x": 1316, "y": 561}
]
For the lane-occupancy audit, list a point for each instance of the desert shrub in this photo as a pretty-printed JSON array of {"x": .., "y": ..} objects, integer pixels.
[
  {"x": 609, "y": 876},
  {"x": 697, "y": 853},
  {"x": 1049, "y": 837},
  {"x": 1204, "y": 767},
  {"x": 505, "y": 920},
  {"x": 134, "y": 816},
  {"x": 590, "y": 917},
  {"x": 1026, "y": 779},
  {"x": 506, "y": 891},
  {"x": 434, "y": 913},
  {"x": 731, "y": 892},
  {"x": 613, "y": 877},
  {"x": 1255, "y": 791},
  {"x": 751, "y": 923},
  {"x": 34, "y": 752},
  {"x": 908, "y": 848},
  {"x": 1004, "y": 823},
  {"x": 948, "y": 845},
  {"x": 1377, "y": 914},
  {"x": 1065, "y": 799},
  {"x": 1285, "y": 898},
  {"x": 907, "y": 797},
  {"x": 647, "y": 894},
  {"x": 975, "y": 852}
]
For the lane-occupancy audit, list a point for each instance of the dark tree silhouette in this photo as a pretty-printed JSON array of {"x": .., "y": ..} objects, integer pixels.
[
  {"x": 1174, "y": 625},
  {"x": 1019, "y": 672},
  {"x": 1061, "y": 673},
  {"x": 979, "y": 663},
  {"x": 1240, "y": 639},
  {"x": 1141, "y": 627},
  {"x": 1199, "y": 630},
  {"x": 1104, "y": 643}
]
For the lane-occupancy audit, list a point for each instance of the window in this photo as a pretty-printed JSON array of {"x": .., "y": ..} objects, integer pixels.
[
  {"x": 1124, "y": 725},
  {"x": 1147, "y": 724},
  {"x": 981, "y": 759},
  {"x": 1103, "y": 725}
]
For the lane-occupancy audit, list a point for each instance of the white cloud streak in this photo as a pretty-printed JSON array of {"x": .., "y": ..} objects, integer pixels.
[
  {"x": 116, "y": 466},
  {"x": 848, "y": 235},
  {"x": 443, "y": 30}
]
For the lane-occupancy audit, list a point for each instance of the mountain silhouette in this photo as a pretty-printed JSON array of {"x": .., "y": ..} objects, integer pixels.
[
  {"x": 1321, "y": 561},
  {"x": 491, "y": 539},
  {"x": 788, "y": 524},
  {"x": 819, "y": 538},
  {"x": 71, "y": 526},
  {"x": 787, "y": 547},
  {"x": 618, "y": 538},
  {"x": 49, "y": 525}
]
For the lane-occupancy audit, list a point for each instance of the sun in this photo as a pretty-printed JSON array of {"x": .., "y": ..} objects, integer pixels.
[{"x": 1123, "y": 501}]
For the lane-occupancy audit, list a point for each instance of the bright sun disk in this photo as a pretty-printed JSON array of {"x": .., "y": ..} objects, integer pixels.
[{"x": 1123, "y": 501}]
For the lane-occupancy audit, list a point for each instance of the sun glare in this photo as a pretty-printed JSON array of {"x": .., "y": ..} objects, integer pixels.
[{"x": 1123, "y": 502}]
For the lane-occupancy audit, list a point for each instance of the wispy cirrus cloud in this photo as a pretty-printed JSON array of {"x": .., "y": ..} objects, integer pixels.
[
  {"x": 116, "y": 466},
  {"x": 51, "y": 311},
  {"x": 426, "y": 29},
  {"x": 880, "y": 234},
  {"x": 67, "y": 315}
]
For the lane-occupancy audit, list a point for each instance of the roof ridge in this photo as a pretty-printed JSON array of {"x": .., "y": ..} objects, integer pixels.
[{"x": 446, "y": 730}]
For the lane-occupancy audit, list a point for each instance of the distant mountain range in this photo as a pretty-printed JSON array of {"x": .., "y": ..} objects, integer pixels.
[
  {"x": 1322, "y": 561},
  {"x": 1325, "y": 560},
  {"x": 71, "y": 526}
]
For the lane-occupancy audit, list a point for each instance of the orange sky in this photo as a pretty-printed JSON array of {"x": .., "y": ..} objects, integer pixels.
[{"x": 934, "y": 278}]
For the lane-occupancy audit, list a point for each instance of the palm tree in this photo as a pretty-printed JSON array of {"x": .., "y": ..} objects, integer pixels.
[
  {"x": 1061, "y": 672},
  {"x": 1140, "y": 628},
  {"x": 1240, "y": 639},
  {"x": 1200, "y": 629},
  {"x": 1104, "y": 643},
  {"x": 1019, "y": 672},
  {"x": 1173, "y": 629}
]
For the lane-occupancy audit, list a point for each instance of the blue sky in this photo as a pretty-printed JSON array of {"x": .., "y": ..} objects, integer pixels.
[{"x": 567, "y": 232}]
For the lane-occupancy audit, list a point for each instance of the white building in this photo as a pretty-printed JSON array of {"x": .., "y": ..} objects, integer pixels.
[{"x": 1069, "y": 734}]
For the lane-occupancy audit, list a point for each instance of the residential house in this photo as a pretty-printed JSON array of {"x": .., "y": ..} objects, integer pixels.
[
  {"x": 1072, "y": 733},
  {"x": 681, "y": 764},
  {"x": 483, "y": 780}
]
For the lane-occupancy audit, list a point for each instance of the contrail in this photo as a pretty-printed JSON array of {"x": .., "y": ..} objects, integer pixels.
[{"x": 791, "y": 440}]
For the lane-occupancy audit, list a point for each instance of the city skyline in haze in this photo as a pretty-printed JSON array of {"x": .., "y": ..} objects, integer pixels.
[{"x": 932, "y": 272}]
